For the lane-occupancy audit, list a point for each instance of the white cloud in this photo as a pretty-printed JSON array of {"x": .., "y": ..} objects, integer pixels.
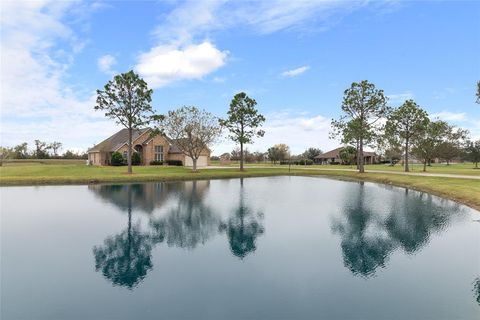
[
  {"x": 38, "y": 47},
  {"x": 182, "y": 37},
  {"x": 166, "y": 64},
  {"x": 106, "y": 62},
  {"x": 296, "y": 129},
  {"x": 295, "y": 72},
  {"x": 450, "y": 116},
  {"x": 399, "y": 98}
]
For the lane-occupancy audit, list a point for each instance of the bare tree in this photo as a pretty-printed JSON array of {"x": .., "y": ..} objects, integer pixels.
[{"x": 191, "y": 129}]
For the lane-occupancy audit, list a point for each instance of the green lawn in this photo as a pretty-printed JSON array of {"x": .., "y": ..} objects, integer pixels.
[
  {"x": 457, "y": 168},
  {"x": 463, "y": 190}
]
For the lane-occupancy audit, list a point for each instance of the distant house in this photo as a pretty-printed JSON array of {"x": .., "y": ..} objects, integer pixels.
[
  {"x": 151, "y": 148},
  {"x": 333, "y": 157}
]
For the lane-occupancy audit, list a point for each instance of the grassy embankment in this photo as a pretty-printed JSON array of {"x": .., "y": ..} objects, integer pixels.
[{"x": 466, "y": 191}]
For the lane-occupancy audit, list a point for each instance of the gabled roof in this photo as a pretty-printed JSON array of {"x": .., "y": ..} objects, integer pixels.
[{"x": 117, "y": 140}]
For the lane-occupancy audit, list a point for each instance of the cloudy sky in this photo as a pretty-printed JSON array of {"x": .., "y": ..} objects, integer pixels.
[{"x": 294, "y": 57}]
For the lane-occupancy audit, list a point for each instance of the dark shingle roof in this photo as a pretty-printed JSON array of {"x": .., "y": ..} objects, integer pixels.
[{"x": 117, "y": 140}]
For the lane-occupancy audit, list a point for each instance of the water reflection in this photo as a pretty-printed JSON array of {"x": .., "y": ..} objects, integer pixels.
[
  {"x": 125, "y": 258},
  {"x": 243, "y": 227},
  {"x": 185, "y": 221},
  {"x": 190, "y": 221},
  {"x": 369, "y": 235},
  {"x": 181, "y": 215}
]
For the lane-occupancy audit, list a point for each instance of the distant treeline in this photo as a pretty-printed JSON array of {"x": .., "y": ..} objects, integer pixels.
[{"x": 41, "y": 150}]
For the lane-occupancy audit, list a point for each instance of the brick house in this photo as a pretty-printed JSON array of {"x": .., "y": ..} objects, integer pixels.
[
  {"x": 333, "y": 157},
  {"x": 151, "y": 148}
]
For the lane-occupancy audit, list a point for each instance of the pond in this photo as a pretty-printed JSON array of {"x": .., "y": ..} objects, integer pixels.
[{"x": 256, "y": 248}]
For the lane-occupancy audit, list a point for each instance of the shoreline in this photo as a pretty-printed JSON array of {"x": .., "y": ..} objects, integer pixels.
[{"x": 438, "y": 186}]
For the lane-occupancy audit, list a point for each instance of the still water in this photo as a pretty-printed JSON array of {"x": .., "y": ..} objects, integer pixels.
[{"x": 256, "y": 248}]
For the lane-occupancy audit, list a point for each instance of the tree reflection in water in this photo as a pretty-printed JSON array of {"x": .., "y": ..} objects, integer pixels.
[
  {"x": 476, "y": 289},
  {"x": 368, "y": 236},
  {"x": 243, "y": 227},
  {"x": 190, "y": 222},
  {"x": 125, "y": 258}
]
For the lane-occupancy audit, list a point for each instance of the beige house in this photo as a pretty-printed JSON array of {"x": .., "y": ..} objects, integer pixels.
[
  {"x": 333, "y": 157},
  {"x": 151, "y": 148}
]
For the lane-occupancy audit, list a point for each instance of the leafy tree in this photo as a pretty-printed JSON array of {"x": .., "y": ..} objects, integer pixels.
[
  {"x": 55, "y": 146},
  {"x": 136, "y": 159},
  {"x": 427, "y": 144},
  {"x": 311, "y": 153},
  {"x": 478, "y": 92},
  {"x": 126, "y": 99},
  {"x": 363, "y": 105},
  {"x": 278, "y": 152},
  {"x": 405, "y": 124},
  {"x": 21, "y": 151},
  {"x": 243, "y": 122},
  {"x": 192, "y": 130},
  {"x": 5, "y": 153},
  {"x": 347, "y": 154},
  {"x": 41, "y": 149},
  {"x": 472, "y": 152},
  {"x": 117, "y": 159},
  {"x": 451, "y": 147}
]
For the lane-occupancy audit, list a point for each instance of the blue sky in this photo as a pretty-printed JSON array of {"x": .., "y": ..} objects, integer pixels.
[{"x": 294, "y": 57}]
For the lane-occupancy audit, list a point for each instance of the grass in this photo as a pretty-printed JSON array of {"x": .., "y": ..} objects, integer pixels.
[
  {"x": 457, "y": 168},
  {"x": 466, "y": 191}
]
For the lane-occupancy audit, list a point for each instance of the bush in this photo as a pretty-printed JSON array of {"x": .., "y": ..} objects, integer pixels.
[
  {"x": 156, "y": 163},
  {"x": 136, "y": 159},
  {"x": 175, "y": 162},
  {"x": 117, "y": 159},
  {"x": 301, "y": 162}
]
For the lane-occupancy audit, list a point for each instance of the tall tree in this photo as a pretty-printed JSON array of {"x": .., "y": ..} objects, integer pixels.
[
  {"x": 126, "y": 99},
  {"x": 405, "y": 124},
  {"x": 472, "y": 152},
  {"x": 363, "y": 105},
  {"x": 427, "y": 144},
  {"x": 41, "y": 149},
  {"x": 55, "y": 146},
  {"x": 311, "y": 153},
  {"x": 478, "y": 92},
  {"x": 192, "y": 130},
  {"x": 21, "y": 150},
  {"x": 452, "y": 145},
  {"x": 243, "y": 122}
]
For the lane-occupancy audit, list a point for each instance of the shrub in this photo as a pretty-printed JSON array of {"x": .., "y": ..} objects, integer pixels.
[
  {"x": 136, "y": 159},
  {"x": 117, "y": 159},
  {"x": 156, "y": 163},
  {"x": 175, "y": 162}
]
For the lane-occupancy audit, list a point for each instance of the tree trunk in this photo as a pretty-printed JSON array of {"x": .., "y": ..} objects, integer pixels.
[
  {"x": 361, "y": 169},
  {"x": 129, "y": 154},
  {"x": 194, "y": 161},
  {"x": 425, "y": 165},
  {"x": 407, "y": 169},
  {"x": 241, "y": 156}
]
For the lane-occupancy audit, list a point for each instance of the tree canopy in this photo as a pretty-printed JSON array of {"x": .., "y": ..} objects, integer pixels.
[
  {"x": 363, "y": 106},
  {"x": 243, "y": 122},
  {"x": 405, "y": 124},
  {"x": 127, "y": 100},
  {"x": 192, "y": 130}
]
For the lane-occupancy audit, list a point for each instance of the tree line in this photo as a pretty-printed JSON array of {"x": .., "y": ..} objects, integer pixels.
[
  {"x": 367, "y": 120},
  {"x": 41, "y": 150}
]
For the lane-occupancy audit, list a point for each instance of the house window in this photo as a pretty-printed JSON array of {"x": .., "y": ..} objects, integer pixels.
[
  {"x": 125, "y": 154},
  {"x": 158, "y": 153}
]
